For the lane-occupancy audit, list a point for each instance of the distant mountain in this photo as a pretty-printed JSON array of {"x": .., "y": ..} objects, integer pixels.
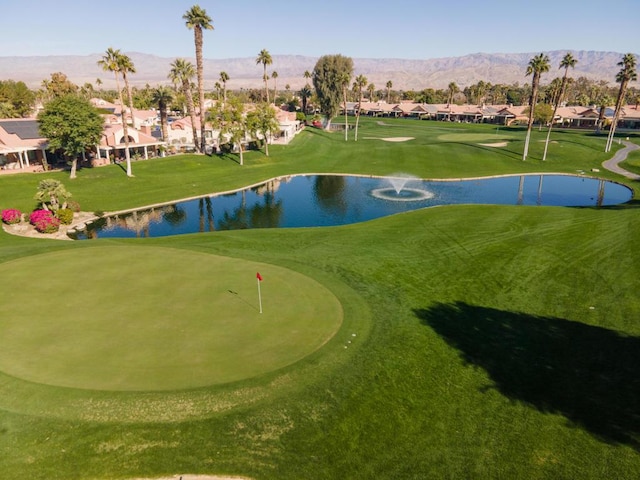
[{"x": 506, "y": 68}]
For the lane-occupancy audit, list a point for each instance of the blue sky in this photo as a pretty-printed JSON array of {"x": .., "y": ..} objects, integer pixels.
[{"x": 413, "y": 29}]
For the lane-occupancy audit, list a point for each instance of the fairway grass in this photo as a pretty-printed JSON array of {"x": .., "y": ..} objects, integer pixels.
[
  {"x": 476, "y": 341},
  {"x": 159, "y": 319}
]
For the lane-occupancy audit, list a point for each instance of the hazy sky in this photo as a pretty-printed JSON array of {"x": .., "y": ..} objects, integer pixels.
[{"x": 414, "y": 29}]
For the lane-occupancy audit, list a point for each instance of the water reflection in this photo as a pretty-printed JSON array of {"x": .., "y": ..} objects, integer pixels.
[{"x": 326, "y": 200}]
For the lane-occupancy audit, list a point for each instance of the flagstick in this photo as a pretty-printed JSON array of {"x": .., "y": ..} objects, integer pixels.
[{"x": 259, "y": 296}]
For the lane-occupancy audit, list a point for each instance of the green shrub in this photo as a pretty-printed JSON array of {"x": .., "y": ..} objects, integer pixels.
[
  {"x": 65, "y": 215},
  {"x": 73, "y": 206}
]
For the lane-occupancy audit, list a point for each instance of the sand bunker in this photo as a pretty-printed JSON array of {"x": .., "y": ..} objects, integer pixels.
[
  {"x": 497, "y": 144},
  {"x": 391, "y": 139}
]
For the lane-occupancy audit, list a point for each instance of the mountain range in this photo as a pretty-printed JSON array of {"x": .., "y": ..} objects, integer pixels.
[{"x": 505, "y": 68}]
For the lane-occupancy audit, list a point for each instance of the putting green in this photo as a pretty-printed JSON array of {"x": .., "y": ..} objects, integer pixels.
[{"x": 145, "y": 318}]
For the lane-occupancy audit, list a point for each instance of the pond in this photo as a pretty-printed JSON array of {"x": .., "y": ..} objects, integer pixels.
[{"x": 329, "y": 200}]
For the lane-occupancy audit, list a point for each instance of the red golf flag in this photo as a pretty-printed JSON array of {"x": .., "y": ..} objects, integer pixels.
[{"x": 258, "y": 276}]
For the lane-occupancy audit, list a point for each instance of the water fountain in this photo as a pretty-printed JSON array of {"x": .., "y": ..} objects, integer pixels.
[{"x": 400, "y": 189}]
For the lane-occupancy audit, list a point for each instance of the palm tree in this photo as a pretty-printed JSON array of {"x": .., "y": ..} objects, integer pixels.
[
  {"x": 305, "y": 93},
  {"x": 182, "y": 71},
  {"x": 389, "y": 85},
  {"x": 343, "y": 81},
  {"x": 371, "y": 89},
  {"x": 126, "y": 66},
  {"x": 625, "y": 75},
  {"x": 274, "y": 76},
  {"x": 163, "y": 96},
  {"x": 537, "y": 66},
  {"x": 110, "y": 63},
  {"x": 196, "y": 18},
  {"x": 224, "y": 78},
  {"x": 453, "y": 89},
  {"x": 359, "y": 84},
  {"x": 568, "y": 61},
  {"x": 307, "y": 76},
  {"x": 264, "y": 58}
]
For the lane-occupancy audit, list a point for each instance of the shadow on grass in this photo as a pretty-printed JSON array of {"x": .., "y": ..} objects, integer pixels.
[{"x": 591, "y": 375}]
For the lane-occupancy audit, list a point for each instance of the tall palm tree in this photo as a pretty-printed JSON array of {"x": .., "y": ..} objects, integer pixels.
[
  {"x": 264, "y": 58},
  {"x": 307, "y": 76},
  {"x": 126, "y": 66},
  {"x": 110, "y": 63},
  {"x": 305, "y": 93},
  {"x": 182, "y": 71},
  {"x": 537, "y": 66},
  {"x": 389, "y": 86},
  {"x": 626, "y": 74},
  {"x": 359, "y": 84},
  {"x": 162, "y": 96},
  {"x": 567, "y": 62},
  {"x": 224, "y": 78},
  {"x": 196, "y": 18},
  {"x": 371, "y": 89},
  {"x": 274, "y": 76},
  {"x": 343, "y": 81},
  {"x": 453, "y": 89}
]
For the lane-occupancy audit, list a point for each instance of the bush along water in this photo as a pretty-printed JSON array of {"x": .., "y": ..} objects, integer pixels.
[{"x": 44, "y": 221}]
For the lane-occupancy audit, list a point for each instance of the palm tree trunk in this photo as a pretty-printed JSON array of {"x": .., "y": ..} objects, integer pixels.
[
  {"x": 553, "y": 117},
  {"x": 198, "y": 39},
  {"x": 74, "y": 167},
  {"x": 532, "y": 103},
  {"x": 186, "y": 88},
  {"x": 358, "y": 115},
  {"x": 130, "y": 98},
  {"x": 616, "y": 116},
  {"x": 346, "y": 120},
  {"x": 125, "y": 129}
]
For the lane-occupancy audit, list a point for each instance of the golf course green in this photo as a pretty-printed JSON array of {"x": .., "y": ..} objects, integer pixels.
[{"x": 159, "y": 319}]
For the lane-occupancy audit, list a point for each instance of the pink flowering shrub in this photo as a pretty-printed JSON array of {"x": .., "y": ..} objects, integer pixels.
[
  {"x": 11, "y": 216},
  {"x": 44, "y": 221}
]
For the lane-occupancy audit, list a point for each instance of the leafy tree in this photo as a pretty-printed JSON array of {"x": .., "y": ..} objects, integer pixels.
[
  {"x": 263, "y": 121},
  {"x": 328, "y": 78},
  {"x": 110, "y": 62},
  {"x": 181, "y": 73},
  {"x": 358, "y": 86},
  {"x": 196, "y": 19},
  {"x": 58, "y": 86},
  {"x": 537, "y": 66},
  {"x": 72, "y": 125},
  {"x": 567, "y": 62},
  {"x": 230, "y": 121},
  {"x": 626, "y": 74},
  {"x": 52, "y": 195},
  {"x": 264, "y": 58},
  {"x": 8, "y": 111},
  {"x": 18, "y": 97},
  {"x": 163, "y": 96}
]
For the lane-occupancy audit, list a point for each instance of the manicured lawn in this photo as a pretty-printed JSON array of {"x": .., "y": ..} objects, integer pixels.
[{"x": 477, "y": 341}]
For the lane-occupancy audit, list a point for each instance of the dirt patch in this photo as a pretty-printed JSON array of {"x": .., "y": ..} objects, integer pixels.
[{"x": 497, "y": 144}]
